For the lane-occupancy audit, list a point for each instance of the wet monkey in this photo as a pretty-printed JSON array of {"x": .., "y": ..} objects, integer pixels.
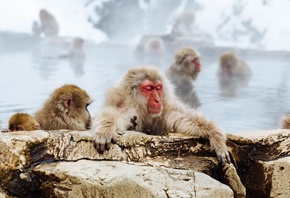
[
  {"x": 145, "y": 93},
  {"x": 22, "y": 122},
  {"x": 233, "y": 73},
  {"x": 231, "y": 64},
  {"x": 66, "y": 108},
  {"x": 183, "y": 72}
]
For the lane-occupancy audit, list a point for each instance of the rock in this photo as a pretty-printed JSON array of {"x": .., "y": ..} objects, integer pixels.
[
  {"x": 86, "y": 178},
  {"x": 260, "y": 159}
]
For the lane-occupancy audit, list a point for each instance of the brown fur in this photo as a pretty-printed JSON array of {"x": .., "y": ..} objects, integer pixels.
[
  {"x": 237, "y": 75},
  {"x": 49, "y": 25},
  {"x": 238, "y": 66},
  {"x": 22, "y": 122},
  {"x": 66, "y": 108},
  {"x": 285, "y": 121},
  {"x": 124, "y": 101}
]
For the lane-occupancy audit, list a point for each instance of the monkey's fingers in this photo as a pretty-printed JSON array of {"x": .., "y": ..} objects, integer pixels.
[
  {"x": 224, "y": 158},
  {"x": 6, "y": 131}
]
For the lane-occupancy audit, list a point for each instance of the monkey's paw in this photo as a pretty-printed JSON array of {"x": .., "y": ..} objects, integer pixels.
[
  {"x": 223, "y": 156},
  {"x": 102, "y": 141},
  {"x": 6, "y": 131}
]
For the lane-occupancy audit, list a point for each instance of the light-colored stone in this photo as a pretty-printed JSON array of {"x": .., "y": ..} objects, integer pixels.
[{"x": 117, "y": 179}]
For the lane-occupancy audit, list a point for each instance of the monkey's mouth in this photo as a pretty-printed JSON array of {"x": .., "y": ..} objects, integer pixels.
[{"x": 154, "y": 110}]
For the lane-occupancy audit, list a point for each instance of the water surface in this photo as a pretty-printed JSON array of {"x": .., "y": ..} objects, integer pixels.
[{"x": 27, "y": 80}]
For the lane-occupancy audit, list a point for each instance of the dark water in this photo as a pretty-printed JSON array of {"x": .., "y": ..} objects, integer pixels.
[{"x": 27, "y": 80}]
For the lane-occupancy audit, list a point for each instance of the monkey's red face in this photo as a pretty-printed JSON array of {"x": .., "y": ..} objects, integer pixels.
[
  {"x": 152, "y": 91},
  {"x": 197, "y": 64}
]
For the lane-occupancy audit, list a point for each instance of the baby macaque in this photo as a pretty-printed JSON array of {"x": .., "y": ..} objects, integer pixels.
[
  {"x": 183, "y": 72},
  {"x": 22, "y": 122},
  {"x": 66, "y": 108},
  {"x": 285, "y": 121},
  {"x": 233, "y": 73},
  {"x": 49, "y": 25},
  {"x": 145, "y": 93}
]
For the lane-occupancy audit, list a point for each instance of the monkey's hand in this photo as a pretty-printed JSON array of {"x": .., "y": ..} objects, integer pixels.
[
  {"x": 223, "y": 156},
  {"x": 103, "y": 139},
  {"x": 5, "y": 130}
]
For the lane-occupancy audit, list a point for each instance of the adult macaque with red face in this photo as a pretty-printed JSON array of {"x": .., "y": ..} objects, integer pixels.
[
  {"x": 183, "y": 72},
  {"x": 146, "y": 94}
]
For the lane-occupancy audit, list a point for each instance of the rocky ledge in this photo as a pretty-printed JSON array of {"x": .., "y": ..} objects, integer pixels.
[{"x": 66, "y": 164}]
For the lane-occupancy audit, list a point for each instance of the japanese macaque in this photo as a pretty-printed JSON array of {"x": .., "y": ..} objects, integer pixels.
[
  {"x": 49, "y": 25},
  {"x": 183, "y": 26},
  {"x": 145, "y": 93},
  {"x": 233, "y": 73},
  {"x": 66, "y": 108},
  {"x": 36, "y": 29},
  {"x": 183, "y": 72},
  {"x": 76, "y": 55},
  {"x": 22, "y": 122},
  {"x": 151, "y": 50},
  {"x": 285, "y": 121}
]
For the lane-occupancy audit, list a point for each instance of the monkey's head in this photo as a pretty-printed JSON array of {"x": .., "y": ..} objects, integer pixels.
[
  {"x": 187, "y": 62},
  {"x": 23, "y": 122},
  {"x": 78, "y": 43},
  {"x": 71, "y": 103},
  {"x": 148, "y": 87},
  {"x": 228, "y": 63},
  {"x": 43, "y": 14},
  {"x": 154, "y": 43}
]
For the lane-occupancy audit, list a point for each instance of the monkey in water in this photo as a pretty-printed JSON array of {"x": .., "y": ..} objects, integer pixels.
[
  {"x": 22, "y": 122},
  {"x": 66, "y": 108},
  {"x": 183, "y": 72},
  {"x": 233, "y": 73},
  {"x": 145, "y": 93}
]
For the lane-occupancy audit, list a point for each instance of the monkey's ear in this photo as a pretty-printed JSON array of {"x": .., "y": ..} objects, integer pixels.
[
  {"x": 37, "y": 127},
  {"x": 67, "y": 102}
]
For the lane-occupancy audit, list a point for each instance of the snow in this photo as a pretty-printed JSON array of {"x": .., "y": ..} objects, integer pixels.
[{"x": 259, "y": 24}]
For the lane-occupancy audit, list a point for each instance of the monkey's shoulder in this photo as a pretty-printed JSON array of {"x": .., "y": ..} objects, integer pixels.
[{"x": 116, "y": 97}]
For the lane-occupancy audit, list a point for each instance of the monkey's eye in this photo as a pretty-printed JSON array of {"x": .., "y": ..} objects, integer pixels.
[
  {"x": 149, "y": 88},
  {"x": 159, "y": 87}
]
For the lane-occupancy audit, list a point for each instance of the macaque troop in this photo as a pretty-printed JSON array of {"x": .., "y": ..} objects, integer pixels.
[{"x": 146, "y": 99}]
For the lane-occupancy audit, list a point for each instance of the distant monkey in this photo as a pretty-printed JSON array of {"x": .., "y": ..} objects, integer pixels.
[
  {"x": 36, "y": 29},
  {"x": 183, "y": 72},
  {"x": 231, "y": 64},
  {"x": 145, "y": 93},
  {"x": 285, "y": 121},
  {"x": 151, "y": 49},
  {"x": 66, "y": 108},
  {"x": 22, "y": 122},
  {"x": 233, "y": 73},
  {"x": 49, "y": 25},
  {"x": 183, "y": 26}
]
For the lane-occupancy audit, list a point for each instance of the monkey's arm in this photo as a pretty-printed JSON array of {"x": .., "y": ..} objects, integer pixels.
[
  {"x": 115, "y": 117},
  {"x": 195, "y": 123}
]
